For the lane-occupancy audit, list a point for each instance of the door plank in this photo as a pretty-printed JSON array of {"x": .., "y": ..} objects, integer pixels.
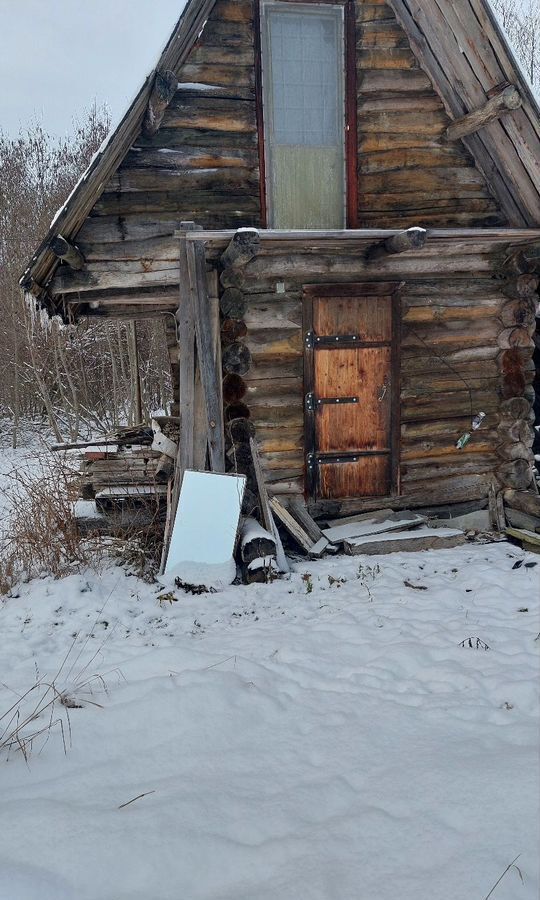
[
  {"x": 365, "y": 374},
  {"x": 368, "y": 317}
]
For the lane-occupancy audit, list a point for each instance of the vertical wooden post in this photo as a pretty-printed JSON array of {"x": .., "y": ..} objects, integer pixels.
[
  {"x": 136, "y": 375},
  {"x": 206, "y": 357},
  {"x": 185, "y": 335},
  {"x": 186, "y": 346}
]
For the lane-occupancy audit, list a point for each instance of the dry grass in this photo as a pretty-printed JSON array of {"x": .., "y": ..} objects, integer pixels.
[{"x": 40, "y": 535}]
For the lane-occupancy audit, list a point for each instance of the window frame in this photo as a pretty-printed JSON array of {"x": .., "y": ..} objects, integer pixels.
[{"x": 350, "y": 141}]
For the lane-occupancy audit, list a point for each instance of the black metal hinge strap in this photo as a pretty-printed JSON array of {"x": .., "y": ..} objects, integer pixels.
[
  {"x": 340, "y": 342},
  {"x": 313, "y": 402}
]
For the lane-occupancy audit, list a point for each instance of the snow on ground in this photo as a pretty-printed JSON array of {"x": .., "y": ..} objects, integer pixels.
[{"x": 325, "y": 737}]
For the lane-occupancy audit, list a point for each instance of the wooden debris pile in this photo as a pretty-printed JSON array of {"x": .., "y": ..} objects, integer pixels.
[
  {"x": 123, "y": 478},
  {"x": 522, "y": 511},
  {"x": 382, "y": 531}
]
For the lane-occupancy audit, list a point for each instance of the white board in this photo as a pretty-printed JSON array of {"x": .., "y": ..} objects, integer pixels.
[{"x": 205, "y": 528}]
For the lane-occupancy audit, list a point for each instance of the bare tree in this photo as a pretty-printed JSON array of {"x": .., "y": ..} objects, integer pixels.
[
  {"x": 521, "y": 21},
  {"x": 62, "y": 372}
]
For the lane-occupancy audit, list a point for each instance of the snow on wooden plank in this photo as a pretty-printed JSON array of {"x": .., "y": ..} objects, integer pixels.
[
  {"x": 369, "y": 526},
  {"x": 323, "y": 545},
  {"x": 131, "y": 490},
  {"x": 420, "y": 539}
]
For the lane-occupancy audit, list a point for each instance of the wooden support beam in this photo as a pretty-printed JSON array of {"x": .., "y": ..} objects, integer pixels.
[
  {"x": 206, "y": 356},
  {"x": 164, "y": 89},
  {"x": 66, "y": 252},
  {"x": 186, "y": 346},
  {"x": 412, "y": 239},
  {"x": 505, "y": 101},
  {"x": 242, "y": 248}
]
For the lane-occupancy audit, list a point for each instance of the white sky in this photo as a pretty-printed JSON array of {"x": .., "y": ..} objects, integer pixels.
[{"x": 57, "y": 56}]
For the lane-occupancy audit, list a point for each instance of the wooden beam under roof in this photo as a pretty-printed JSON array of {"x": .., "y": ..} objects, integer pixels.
[{"x": 503, "y": 101}]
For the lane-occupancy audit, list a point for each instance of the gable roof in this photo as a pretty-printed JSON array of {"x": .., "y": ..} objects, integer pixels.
[
  {"x": 460, "y": 46},
  {"x": 72, "y": 214},
  {"x": 464, "y": 51}
]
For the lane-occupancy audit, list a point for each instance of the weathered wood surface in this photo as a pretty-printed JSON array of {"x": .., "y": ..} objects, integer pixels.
[
  {"x": 421, "y": 539},
  {"x": 525, "y": 501},
  {"x": 503, "y": 101}
]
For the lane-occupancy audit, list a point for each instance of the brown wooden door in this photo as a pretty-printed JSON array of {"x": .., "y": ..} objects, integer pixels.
[{"x": 350, "y": 390}]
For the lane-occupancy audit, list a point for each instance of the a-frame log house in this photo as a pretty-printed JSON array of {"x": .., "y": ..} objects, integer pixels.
[{"x": 364, "y": 179}]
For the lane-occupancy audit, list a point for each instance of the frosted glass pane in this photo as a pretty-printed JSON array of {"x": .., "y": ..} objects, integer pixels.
[
  {"x": 307, "y": 187},
  {"x": 305, "y": 72},
  {"x": 303, "y": 79}
]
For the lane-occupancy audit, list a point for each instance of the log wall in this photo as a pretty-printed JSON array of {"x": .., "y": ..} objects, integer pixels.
[
  {"x": 203, "y": 162},
  {"x": 459, "y": 356}
]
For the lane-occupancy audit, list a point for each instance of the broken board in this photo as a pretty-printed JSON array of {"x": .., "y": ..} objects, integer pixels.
[
  {"x": 365, "y": 527},
  {"x": 419, "y": 539}
]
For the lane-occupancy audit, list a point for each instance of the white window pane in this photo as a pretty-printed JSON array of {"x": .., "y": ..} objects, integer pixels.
[
  {"x": 303, "y": 77},
  {"x": 305, "y": 67}
]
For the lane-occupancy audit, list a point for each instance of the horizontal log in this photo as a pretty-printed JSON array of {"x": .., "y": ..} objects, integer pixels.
[
  {"x": 183, "y": 181},
  {"x": 400, "y": 159},
  {"x": 377, "y": 81},
  {"x": 517, "y": 474},
  {"x": 523, "y": 501},
  {"x": 515, "y": 450},
  {"x": 202, "y": 206},
  {"x": 163, "y": 91},
  {"x": 242, "y": 248},
  {"x": 234, "y": 388},
  {"x": 233, "y": 303},
  {"x": 412, "y": 239},
  {"x": 518, "y": 336},
  {"x": 437, "y": 313},
  {"x": 67, "y": 252},
  {"x": 522, "y": 286},
  {"x": 190, "y": 158},
  {"x": 214, "y": 114},
  {"x": 224, "y": 75},
  {"x": 236, "y": 359},
  {"x": 394, "y": 58},
  {"x": 518, "y": 312}
]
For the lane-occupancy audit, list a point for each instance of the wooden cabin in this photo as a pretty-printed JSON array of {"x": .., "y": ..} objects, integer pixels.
[{"x": 335, "y": 207}]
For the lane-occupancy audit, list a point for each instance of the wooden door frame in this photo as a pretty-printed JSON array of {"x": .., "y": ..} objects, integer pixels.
[
  {"x": 351, "y": 191},
  {"x": 364, "y": 289}
]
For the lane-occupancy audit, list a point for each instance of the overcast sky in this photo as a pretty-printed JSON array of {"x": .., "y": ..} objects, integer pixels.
[{"x": 57, "y": 56}]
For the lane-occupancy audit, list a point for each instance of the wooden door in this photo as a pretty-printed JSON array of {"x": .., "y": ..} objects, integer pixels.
[{"x": 351, "y": 409}]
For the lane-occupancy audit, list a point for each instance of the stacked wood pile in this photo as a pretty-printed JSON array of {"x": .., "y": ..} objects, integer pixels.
[{"x": 126, "y": 479}]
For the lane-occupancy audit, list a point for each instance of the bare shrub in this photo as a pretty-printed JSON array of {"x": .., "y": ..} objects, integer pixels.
[{"x": 40, "y": 535}]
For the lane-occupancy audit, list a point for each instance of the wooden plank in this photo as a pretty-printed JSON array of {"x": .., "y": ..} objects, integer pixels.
[
  {"x": 528, "y": 539},
  {"x": 403, "y": 521},
  {"x": 422, "y": 539},
  {"x": 186, "y": 344},
  {"x": 206, "y": 357},
  {"x": 292, "y": 526},
  {"x": 298, "y": 509}
]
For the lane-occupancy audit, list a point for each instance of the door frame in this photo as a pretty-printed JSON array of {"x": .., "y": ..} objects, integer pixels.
[{"x": 374, "y": 289}]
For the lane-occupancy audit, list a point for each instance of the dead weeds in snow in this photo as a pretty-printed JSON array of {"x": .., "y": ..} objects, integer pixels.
[{"x": 40, "y": 536}]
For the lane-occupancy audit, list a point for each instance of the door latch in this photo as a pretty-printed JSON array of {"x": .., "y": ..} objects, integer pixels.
[{"x": 383, "y": 390}]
